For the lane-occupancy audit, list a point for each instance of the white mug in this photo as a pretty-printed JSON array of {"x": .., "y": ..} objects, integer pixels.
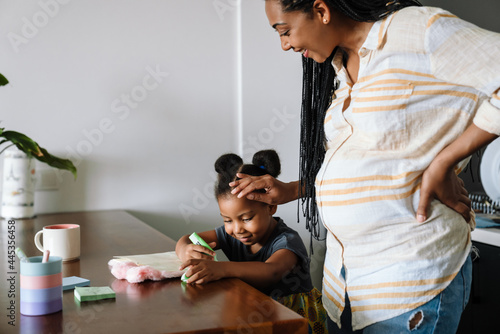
[{"x": 61, "y": 240}]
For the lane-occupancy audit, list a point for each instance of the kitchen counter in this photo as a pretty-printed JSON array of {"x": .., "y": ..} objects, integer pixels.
[{"x": 489, "y": 236}]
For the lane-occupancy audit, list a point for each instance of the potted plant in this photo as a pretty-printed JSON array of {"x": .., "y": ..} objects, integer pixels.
[{"x": 31, "y": 149}]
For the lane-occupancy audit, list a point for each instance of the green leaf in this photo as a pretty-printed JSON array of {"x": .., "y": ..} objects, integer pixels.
[
  {"x": 23, "y": 142},
  {"x": 3, "y": 80},
  {"x": 32, "y": 149},
  {"x": 56, "y": 162}
]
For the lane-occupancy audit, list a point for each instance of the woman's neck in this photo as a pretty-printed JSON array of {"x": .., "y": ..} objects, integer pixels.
[{"x": 352, "y": 34}]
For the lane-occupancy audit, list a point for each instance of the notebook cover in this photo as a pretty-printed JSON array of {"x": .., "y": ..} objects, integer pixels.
[{"x": 74, "y": 281}]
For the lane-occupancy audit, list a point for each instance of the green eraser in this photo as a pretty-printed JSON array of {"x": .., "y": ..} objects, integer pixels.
[
  {"x": 197, "y": 240},
  {"x": 85, "y": 294},
  {"x": 184, "y": 278}
]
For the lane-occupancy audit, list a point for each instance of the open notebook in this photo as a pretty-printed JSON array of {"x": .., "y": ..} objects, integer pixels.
[{"x": 139, "y": 268}]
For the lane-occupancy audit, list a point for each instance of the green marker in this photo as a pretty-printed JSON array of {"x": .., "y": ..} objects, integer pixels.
[
  {"x": 20, "y": 254},
  {"x": 197, "y": 240}
]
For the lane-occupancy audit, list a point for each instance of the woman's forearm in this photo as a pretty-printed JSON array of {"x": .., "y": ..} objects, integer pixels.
[
  {"x": 294, "y": 191},
  {"x": 472, "y": 140}
]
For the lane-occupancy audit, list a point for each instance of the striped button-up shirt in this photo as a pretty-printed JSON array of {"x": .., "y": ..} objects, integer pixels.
[{"x": 424, "y": 77}]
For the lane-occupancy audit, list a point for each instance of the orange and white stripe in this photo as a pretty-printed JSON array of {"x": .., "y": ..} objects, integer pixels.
[{"x": 410, "y": 100}]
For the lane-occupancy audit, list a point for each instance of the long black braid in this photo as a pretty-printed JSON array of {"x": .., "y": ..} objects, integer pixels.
[{"x": 318, "y": 88}]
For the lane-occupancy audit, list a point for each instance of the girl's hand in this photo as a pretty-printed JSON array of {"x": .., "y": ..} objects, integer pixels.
[
  {"x": 277, "y": 192},
  {"x": 192, "y": 251},
  {"x": 443, "y": 184},
  {"x": 203, "y": 271},
  {"x": 186, "y": 250}
]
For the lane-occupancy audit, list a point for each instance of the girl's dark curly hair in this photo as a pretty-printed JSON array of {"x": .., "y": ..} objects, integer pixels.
[{"x": 263, "y": 162}]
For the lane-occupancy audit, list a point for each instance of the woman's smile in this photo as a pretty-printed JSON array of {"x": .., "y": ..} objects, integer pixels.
[{"x": 300, "y": 32}]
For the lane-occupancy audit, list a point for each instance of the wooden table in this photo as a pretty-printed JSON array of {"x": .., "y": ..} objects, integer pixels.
[{"x": 225, "y": 306}]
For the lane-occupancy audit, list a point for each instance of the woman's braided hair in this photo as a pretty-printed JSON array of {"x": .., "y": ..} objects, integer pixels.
[
  {"x": 318, "y": 87},
  {"x": 358, "y": 10}
]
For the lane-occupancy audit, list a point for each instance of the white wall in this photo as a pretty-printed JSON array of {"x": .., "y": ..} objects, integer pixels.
[
  {"x": 78, "y": 70},
  {"x": 482, "y": 13},
  {"x": 81, "y": 86}
]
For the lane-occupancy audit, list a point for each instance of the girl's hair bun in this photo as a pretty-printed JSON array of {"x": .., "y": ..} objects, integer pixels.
[
  {"x": 228, "y": 164},
  {"x": 263, "y": 162},
  {"x": 268, "y": 160}
]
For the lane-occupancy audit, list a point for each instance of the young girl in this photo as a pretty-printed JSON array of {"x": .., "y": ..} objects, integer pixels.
[{"x": 262, "y": 250}]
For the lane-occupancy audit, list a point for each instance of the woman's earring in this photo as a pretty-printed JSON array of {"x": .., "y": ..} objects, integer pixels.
[{"x": 325, "y": 21}]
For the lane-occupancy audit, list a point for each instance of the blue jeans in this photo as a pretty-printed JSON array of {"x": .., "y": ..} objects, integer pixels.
[{"x": 441, "y": 315}]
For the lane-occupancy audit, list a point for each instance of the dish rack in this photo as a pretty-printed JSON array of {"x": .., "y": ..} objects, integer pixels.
[{"x": 483, "y": 204}]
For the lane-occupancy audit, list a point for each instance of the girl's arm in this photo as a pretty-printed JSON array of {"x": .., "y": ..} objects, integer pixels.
[
  {"x": 186, "y": 250},
  {"x": 258, "y": 274}
]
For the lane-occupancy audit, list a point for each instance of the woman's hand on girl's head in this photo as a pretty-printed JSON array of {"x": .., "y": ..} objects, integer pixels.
[
  {"x": 203, "y": 271},
  {"x": 276, "y": 192}
]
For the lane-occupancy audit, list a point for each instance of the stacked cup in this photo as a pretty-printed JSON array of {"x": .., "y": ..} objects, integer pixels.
[{"x": 41, "y": 286}]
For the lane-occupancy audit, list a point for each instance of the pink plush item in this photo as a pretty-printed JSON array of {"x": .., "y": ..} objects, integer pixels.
[
  {"x": 134, "y": 273},
  {"x": 119, "y": 268},
  {"x": 142, "y": 273}
]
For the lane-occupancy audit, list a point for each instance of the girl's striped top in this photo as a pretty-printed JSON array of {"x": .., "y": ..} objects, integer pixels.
[{"x": 424, "y": 77}]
